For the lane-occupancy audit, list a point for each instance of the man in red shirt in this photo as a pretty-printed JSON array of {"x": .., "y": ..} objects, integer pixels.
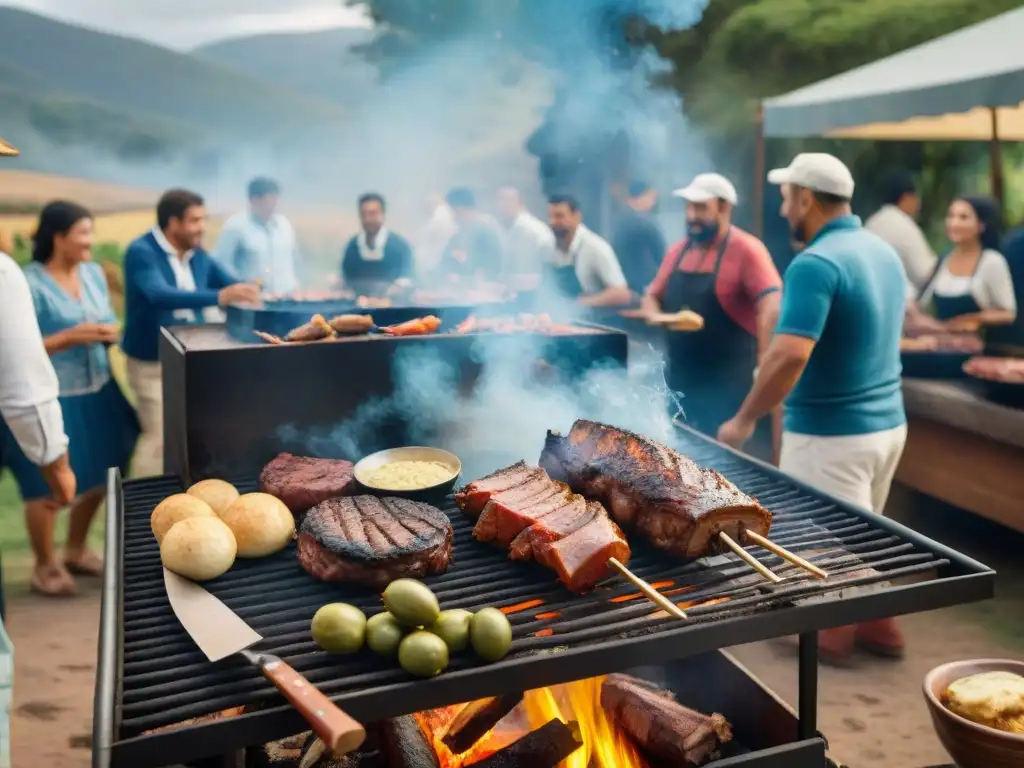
[{"x": 727, "y": 277}]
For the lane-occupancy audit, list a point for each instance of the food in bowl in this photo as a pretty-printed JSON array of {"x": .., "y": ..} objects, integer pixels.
[
  {"x": 993, "y": 699},
  {"x": 408, "y": 475}
]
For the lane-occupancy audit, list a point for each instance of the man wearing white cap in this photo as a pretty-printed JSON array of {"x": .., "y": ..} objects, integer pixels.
[
  {"x": 727, "y": 277},
  {"x": 835, "y": 360}
]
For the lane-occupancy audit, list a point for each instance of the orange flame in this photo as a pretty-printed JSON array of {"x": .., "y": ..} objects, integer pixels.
[{"x": 604, "y": 746}]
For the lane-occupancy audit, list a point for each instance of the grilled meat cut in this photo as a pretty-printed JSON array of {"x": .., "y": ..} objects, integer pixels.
[
  {"x": 679, "y": 506},
  {"x": 534, "y": 517},
  {"x": 474, "y": 496},
  {"x": 373, "y": 541},
  {"x": 302, "y": 482}
]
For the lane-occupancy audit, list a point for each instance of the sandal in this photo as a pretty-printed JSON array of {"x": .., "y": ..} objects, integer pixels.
[
  {"x": 52, "y": 581},
  {"x": 86, "y": 564}
]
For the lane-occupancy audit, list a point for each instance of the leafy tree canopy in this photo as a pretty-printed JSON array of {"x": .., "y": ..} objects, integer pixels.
[{"x": 739, "y": 51}]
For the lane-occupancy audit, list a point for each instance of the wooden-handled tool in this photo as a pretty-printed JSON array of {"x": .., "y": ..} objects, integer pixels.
[
  {"x": 220, "y": 632},
  {"x": 336, "y": 729}
]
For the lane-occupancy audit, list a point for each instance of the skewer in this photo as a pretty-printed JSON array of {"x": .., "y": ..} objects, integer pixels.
[
  {"x": 785, "y": 554},
  {"x": 652, "y": 594},
  {"x": 748, "y": 558}
]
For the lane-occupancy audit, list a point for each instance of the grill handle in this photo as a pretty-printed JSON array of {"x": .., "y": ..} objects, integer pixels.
[{"x": 336, "y": 729}]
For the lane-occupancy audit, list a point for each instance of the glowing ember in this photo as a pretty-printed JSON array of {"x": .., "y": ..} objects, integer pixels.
[
  {"x": 604, "y": 746},
  {"x": 510, "y": 609}
]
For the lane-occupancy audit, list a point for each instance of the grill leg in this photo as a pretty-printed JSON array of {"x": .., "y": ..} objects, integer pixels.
[{"x": 807, "y": 687}]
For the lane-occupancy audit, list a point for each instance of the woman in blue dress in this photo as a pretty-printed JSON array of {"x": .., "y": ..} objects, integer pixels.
[{"x": 72, "y": 306}]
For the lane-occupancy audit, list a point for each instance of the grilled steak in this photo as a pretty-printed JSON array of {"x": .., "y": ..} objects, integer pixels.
[
  {"x": 302, "y": 482},
  {"x": 373, "y": 541},
  {"x": 535, "y": 517},
  {"x": 678, "y": 505},
  {"x": 581, "y": 558},
  {"x": 474, "y": 496}
]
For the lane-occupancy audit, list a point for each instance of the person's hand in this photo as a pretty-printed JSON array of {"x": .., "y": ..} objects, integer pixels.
[
  {"x": 963, "y": 324},
  {"x": 239, "y": 293},
  {"x": 736, "y": 431},
  {"x": 61, "y": 479},
  {"x": 91, "y": 333}
]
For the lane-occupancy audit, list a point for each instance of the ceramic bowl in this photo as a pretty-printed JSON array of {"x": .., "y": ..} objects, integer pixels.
[
  {"x": 970, "y": 744},
  {"x": 410, "y": 453}
]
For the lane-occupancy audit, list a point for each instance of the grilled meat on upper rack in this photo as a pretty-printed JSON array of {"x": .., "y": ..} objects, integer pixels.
[
  {"x": 522, "y": 509},
  {"x": 373, "y": 541},
  {"x": 302, "y": 482},
  {"x": 678, "y": 505}
]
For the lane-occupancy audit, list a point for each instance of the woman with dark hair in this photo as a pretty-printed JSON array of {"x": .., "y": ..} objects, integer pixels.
[
  {"x": 69, "y": 292},
  {"x": 971, "y": 286}
]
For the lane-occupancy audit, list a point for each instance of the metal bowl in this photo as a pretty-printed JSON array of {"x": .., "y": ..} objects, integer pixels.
[
  {"x": 972, "y": 745},
  {"x": 410, "y": 453}
]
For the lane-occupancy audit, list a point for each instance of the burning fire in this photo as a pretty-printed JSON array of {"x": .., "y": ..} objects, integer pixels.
[{"x": 604, "y": 746}]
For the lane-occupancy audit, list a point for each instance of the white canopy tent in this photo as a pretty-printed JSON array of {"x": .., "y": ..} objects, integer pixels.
[
  {"x": 955, "y": 87},
  {"x": 965, "y": 86}
]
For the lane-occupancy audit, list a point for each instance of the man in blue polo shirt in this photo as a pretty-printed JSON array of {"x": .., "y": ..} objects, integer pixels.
[{"x": 835, "y": 361}]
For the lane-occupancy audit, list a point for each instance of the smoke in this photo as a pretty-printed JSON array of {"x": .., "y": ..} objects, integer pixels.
[
  {"x": 503, "y": 415},
  {"x": 460, "y": 112}
]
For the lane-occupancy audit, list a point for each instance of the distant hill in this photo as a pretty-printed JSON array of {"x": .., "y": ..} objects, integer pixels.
[
  {"x": 320, "y": 64},
  {"x": 69, "y": 93}
]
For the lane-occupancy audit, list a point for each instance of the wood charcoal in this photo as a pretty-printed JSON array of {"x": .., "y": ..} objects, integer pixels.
[
  {"x": 405, "y": 745},
  {"x": 476, "y": 719},
  {"x": 659, "y": 725},
  {"x": 545, "y": 747}
]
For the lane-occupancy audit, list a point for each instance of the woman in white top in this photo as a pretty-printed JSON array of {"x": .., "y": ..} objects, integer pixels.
[{"x": 971, "y": 286}]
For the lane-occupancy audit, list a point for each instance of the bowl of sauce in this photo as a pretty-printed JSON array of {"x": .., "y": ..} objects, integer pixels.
[{"x": 412, "y": 472}]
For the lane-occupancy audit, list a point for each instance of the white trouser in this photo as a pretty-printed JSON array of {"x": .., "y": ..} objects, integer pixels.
[
  {"x": 855, "y": 468},
  {"x": 145, "y": 380}
]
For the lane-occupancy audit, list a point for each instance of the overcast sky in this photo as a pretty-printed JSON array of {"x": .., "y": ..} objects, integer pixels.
[{"x": 185, "y": 24}]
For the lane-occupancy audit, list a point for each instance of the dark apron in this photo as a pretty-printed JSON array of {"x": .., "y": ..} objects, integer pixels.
[
  {"x": 563, "y": 281},
  {"x": 712, "y": 368},
  {"x": 948, "y": 307}
]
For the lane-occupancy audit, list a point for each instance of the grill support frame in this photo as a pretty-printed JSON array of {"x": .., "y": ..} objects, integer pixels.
[{"x": 966, "y": 580}]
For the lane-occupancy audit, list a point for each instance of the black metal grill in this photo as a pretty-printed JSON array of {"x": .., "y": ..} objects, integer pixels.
[{"x": 162, "y": 678}]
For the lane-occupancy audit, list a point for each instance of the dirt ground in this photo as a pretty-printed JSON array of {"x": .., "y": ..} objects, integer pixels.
[{"x": 55, "y": 653}]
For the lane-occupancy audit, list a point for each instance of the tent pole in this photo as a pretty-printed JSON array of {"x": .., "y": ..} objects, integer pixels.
[
  {"x": 995, "y": 154},
  {"x": 759, "y": 172}
]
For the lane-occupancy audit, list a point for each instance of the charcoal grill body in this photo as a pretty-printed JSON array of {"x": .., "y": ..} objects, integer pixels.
[
  {"x": 150, "y": 674},
  {"x": 229, "y": 408},
  {"x": 280, "y": 317}
]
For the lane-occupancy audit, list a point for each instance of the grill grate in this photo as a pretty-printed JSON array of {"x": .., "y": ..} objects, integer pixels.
[{"x": 165, "y": 679}]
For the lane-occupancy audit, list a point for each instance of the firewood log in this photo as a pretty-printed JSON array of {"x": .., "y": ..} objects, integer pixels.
[
  {"x": 545, "y": 747},
  {"x": 476, "y": 719},
  {"x": 659, "y": 725}
]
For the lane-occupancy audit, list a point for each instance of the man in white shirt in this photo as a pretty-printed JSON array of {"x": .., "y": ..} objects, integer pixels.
[
  {"x": 582, "y": 266},
  {"x": 260, "y": 245},
  {"x": 28, "y": 386},
  {"x": 528, "y": 240},
  {"x": 895, "y": 222},
  {"x": 435, "y": 235}
]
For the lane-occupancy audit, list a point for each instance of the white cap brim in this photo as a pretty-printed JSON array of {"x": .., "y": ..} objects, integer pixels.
[
  {"x": 694, "y": 195},
  {"x": 779, "y": 176}
]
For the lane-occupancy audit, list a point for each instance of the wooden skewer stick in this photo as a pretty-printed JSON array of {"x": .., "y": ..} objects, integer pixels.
[
  {"x": 785, "y": 554},
  {"x": 652, "y": 594},
  {"x": 748, "y": 558}
]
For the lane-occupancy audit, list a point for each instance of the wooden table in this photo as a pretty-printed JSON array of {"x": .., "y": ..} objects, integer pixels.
[{"x": 965, "y": 450}]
